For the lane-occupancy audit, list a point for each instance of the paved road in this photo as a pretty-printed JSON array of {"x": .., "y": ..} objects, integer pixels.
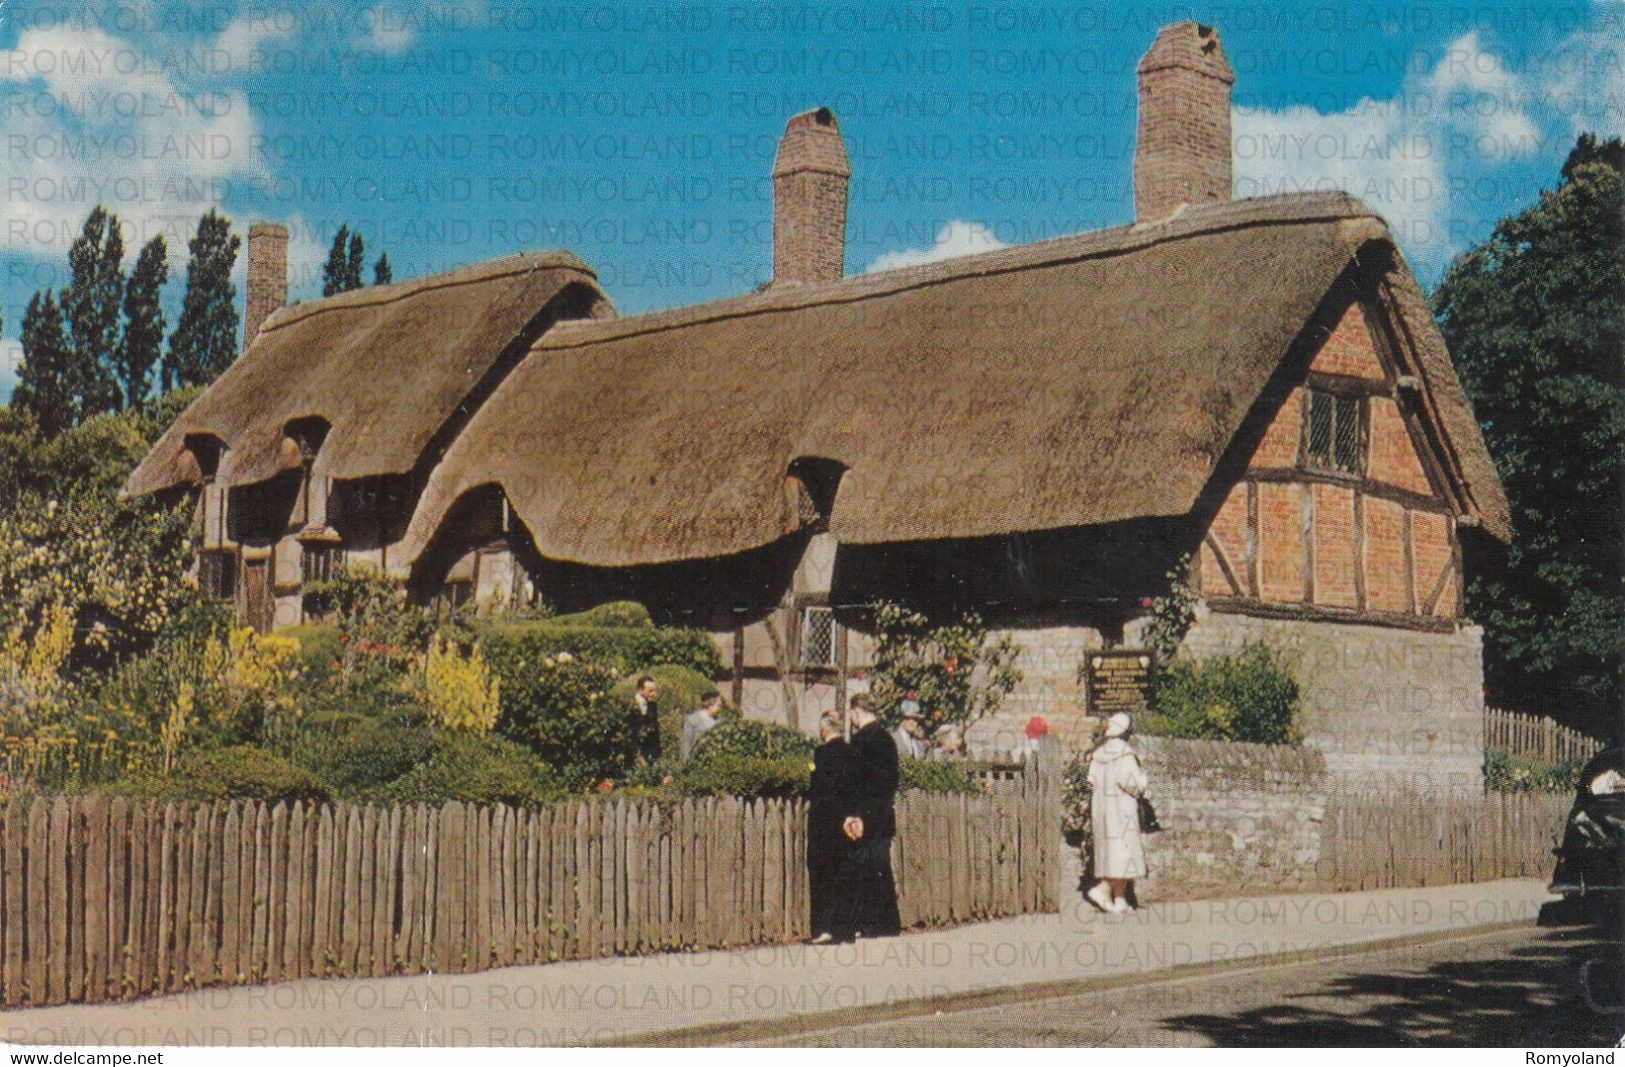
[{"x": 1521, "y": 986}]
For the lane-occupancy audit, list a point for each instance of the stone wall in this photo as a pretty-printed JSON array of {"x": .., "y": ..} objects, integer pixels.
[
  {"x": 1236, "y": 818},
  {"x": 1391, "y": 709}
]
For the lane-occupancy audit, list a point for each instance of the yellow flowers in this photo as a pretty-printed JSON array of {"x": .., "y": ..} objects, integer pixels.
[
  {"x": 460, "y": 691},
  {"x": 173, "y": 732},
  {"x": 31, "y": 680}
]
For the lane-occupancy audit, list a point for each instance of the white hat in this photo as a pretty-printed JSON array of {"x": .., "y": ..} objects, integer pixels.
[
  {"x": 909, "y": 709},
  {"x": 1117, "y": 725}
]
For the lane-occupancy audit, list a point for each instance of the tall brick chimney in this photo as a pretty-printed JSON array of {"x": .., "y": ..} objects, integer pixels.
[
  {"x": 1182, "y": 155},
  {"x": 267, "y": 276},
  {"x": 809, "y": 200}
]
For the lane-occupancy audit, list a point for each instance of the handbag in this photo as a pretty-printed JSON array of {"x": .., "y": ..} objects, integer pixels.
[{"x": 1148, "y": 817}]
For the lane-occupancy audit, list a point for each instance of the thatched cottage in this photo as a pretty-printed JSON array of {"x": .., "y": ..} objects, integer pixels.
[{"x": 1038, "y": 433}]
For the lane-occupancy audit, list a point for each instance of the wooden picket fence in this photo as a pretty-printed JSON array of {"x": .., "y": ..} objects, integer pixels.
[
  {"x": 1384, "y": 841},
  {"x": 111, "y": 898},
  {"x": 1536, "y": 737}
]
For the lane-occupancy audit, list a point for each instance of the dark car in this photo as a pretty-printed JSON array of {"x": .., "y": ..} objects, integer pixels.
[{"x": 1591, "y": 859}]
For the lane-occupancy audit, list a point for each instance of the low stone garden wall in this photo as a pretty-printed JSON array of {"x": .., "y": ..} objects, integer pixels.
[{"x": 1236, "y": 818}]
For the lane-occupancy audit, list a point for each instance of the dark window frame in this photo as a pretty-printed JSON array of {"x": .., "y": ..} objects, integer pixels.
[
  {"x": 217, "y": 574},
  {"x": 1343, "y": 454}
]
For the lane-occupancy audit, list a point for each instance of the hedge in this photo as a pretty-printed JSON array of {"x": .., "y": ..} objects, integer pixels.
[
  {"x": 628, "y": 649},
  {"x": 235, "y": 771}
]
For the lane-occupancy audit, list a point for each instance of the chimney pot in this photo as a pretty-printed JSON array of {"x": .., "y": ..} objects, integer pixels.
[
  {"x": 267, "y": 276},
  {"x": 810, "y": 176},
  {"x": 1182, "y": 152}
]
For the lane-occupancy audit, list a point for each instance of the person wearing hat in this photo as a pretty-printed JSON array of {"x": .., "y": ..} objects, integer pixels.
[
  {"x": 1037, "y": 729},
  {"x": 907, "y": 734},
  {"x": 1116, "y": 781}
]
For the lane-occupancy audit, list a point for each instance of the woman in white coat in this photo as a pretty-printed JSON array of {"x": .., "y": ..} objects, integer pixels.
[{"x": 1116, "y": 781}]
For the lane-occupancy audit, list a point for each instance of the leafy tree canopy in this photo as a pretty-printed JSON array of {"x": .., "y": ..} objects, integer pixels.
[{"x": 1535, "y": 320}]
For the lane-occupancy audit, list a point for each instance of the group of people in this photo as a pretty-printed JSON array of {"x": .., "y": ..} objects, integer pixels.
[
  {"x": 646, "y": 721},
  {"x": 947, "y": 743},
  {"x": 851, "y": 816},
  {"x": 851, "y": 820}
]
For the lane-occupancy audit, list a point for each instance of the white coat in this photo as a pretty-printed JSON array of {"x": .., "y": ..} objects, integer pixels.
[{"x": 1116, "y": 780}]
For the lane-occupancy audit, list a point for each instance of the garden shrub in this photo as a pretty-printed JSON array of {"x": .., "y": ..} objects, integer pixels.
[
  {"x": 746, "y": 776},
  {"x": 747, "y": 738},
  {"x": 459, "y": 692},
  {"x": 357, "y": 754},
  {"x": 1250, "y": 696},
  {"x": 320, "y": 650},
  {"x": 627, "y": 649},
  {"x": 377, "y": 625},
  {"x": 614, "y": 613},
  {"x": 930, "y": 776},
  {"x": 1506, "y": 773},
  {"x": 474, "y": 768},
  {"x": 560, "y": 707},
  {"x": 234, "y": 771},
  {"x": 956, "y": 670}
]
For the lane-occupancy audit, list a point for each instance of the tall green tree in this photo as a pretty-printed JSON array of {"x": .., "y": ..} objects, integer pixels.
[
  {"x": 336, "y": 271},
  {"x": 143, "y": 321},
  {"x": 381, "y": 272},
  {"x": 43, "y": 383},
  {"x": 91, "y": 305},
  {"x": 357, "y": 260},
  {"x": 1535, "y": 320},
  {"x": 205, "y": 339}
]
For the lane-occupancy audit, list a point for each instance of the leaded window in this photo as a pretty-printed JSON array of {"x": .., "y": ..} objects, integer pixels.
[{"x": 1333, "y": 432}]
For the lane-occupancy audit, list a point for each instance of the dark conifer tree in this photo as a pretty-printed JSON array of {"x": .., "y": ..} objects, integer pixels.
[
  {"x": 143, "y": 321},
  {"x": 352, "y": 270},
  {"x": 337, "y": 268},
  {"x": 42, "y": 380},
  {"x": 381, "y": 273},
  {"x": 205, "y": 340},
  {"x": 90, "y": 304}
]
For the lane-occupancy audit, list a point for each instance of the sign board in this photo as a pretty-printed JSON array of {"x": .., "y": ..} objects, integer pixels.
[{"x": 1118, "y": 680}]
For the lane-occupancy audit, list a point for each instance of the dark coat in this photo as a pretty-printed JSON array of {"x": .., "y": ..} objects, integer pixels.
[
  {"x": 646, "y": 731},
  {"x": 874, "y": 795},
  {"x": 827, "y": 845},
  {"x": 867, "y": 873}
]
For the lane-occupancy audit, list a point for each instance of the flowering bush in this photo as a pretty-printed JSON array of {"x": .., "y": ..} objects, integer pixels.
[
  {"x": 460, "y": 692},
  {"x": 561, "y": 708},
  {"x": 956, "y": 671}
]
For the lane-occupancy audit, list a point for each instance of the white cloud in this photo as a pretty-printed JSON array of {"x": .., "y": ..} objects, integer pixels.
[
  {"x": 956, "y": 238},
  {"x": 95, "y": 118},
  {"x": 1404, "y": 155},
  {"x": 389, "y": 33}
]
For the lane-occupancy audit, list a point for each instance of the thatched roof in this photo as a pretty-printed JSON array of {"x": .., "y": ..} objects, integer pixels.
[
  {"x": 1072, "y": 382},
  {"x": 386, "y": 367}
]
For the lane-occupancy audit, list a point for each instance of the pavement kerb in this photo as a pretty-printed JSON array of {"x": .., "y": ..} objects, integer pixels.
[{"x": 710, "y": 1034}]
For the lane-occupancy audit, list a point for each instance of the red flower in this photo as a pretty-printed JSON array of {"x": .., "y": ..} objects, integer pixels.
[
  {"x": 911, "y": 695},
  {"x": 1145, "y": 602},
  {"x": 605, "y": 786},
  {"x": 951, "y": 664},
  {"x": 344, "y": 639}
]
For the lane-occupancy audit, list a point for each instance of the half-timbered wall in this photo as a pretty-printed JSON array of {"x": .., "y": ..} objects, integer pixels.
[{"x": 1339, "y": 516}]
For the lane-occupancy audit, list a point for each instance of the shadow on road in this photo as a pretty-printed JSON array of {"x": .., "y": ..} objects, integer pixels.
[{"x": 1562, "y": 990}]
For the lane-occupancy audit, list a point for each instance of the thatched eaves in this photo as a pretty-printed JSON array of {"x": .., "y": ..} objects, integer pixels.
[
  {"x": 1071, "y": 382},
  {"x": 386, "y": 367}
]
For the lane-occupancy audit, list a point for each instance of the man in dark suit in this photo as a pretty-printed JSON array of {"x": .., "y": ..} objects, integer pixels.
[
  {"x": 827, "y": 844},
  {"x": 646, "y": 722},
  {"x": 871, "y": 822}
]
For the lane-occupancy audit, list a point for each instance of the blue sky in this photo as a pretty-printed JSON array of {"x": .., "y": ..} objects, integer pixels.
[{"x": 640, "y": 135}]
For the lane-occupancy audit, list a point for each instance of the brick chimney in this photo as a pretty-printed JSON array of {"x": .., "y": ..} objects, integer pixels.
[
  {"x": 1182, "y": 155},
  {"x": 267, "y": 276},
  {"x": 809, "y": 200}
]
